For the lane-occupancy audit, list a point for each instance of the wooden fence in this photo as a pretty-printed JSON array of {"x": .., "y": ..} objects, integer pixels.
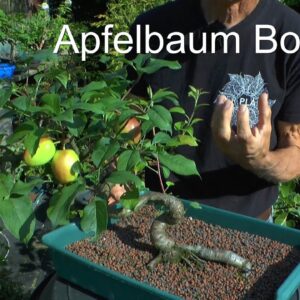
[{"x": 14, "y": 6}]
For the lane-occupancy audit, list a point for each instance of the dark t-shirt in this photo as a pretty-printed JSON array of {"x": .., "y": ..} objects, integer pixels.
[{"x": 241, "y": 77}]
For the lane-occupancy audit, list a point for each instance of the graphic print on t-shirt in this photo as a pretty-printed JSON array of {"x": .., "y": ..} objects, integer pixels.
[{"x": 245, "y": 89}]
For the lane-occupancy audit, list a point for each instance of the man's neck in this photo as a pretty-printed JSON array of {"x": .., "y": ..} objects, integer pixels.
[{"x": 229, "y": 12}]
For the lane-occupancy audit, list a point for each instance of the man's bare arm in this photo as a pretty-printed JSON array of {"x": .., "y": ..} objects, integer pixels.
[{"x": 283, "y": 164}]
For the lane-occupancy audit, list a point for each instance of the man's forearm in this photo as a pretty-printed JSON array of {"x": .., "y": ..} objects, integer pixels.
[{"x": 280, "y": 165}]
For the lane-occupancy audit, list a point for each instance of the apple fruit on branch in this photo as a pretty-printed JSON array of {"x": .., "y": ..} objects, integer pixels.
[
  {"x": 62, "y": 165},
  {"x": 133, "y": 127},
  {"x": 44, "y": 153}
]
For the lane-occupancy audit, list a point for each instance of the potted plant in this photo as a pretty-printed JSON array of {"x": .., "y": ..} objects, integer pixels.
[{"x": 114, "y": 267}]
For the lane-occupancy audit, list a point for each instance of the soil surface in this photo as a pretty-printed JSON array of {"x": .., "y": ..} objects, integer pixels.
[{"x": 126, "y": 248}]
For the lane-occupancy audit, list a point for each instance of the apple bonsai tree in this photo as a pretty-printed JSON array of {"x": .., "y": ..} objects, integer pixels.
[{"x": 72, "y": 138}]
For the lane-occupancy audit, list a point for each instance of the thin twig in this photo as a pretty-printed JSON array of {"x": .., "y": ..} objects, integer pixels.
[
  {"x": 158, "y": 169},
  {"x": 131, "y": 88}
]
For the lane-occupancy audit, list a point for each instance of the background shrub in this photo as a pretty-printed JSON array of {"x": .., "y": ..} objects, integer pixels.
[
  {"x": 291, "y": 2},
  {"x": 122, "y": 13}
]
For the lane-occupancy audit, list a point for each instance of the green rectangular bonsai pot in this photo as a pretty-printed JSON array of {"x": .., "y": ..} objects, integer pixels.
[{"x": 113, "y": 285}]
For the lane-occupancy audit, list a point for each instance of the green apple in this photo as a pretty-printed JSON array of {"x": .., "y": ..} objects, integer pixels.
[
  {"x": 43, "y": 154},
  {"x": 62, "y": 164}
]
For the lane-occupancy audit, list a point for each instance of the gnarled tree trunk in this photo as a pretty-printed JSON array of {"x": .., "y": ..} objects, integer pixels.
[{"x": 170, "y": 251}]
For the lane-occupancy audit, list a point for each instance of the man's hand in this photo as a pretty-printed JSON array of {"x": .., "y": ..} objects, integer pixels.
[
  {"x": 248, "y": 147},
  {"x": 116, "y": 193}
]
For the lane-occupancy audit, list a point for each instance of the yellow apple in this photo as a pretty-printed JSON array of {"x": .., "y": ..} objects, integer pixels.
[{"x": 62, "y": 164}]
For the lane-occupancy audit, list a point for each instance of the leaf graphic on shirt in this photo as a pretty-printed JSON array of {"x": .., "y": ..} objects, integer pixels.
[{"x": 245, "y": 89}]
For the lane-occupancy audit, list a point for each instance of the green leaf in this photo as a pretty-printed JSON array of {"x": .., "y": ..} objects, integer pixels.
[
  {"x": 161, "y": 118},
  {"x": 22, "y": 131},
  {"x": 63, "y": 78},
  {"x": 18, "y": 217},
  {"x": 166, "y": 171},
  {"x": 170, "y": 184},
  {"x": 38, "y": 77},
  {"x": 94, "y": 86},
  {"x": 195, "y": 205},
  {"x": 126, "y": 114},
  {"x": 40, "y": 109},
  {"x": 163, "y": 94},
  {"x": 182, "y": 140},
  {"x": 140, "y": 166},
  {"x": 281, "y": 219},
  {"x": 178, "y": 164},
  {"x": 66, "y": 116},
  {"x": 96, "y": 108},
  {"x": 178, "y": 110},
  {"x": 52, "y": 102},
  {"x": 91, "y": 96},
  {"x": 104, "y": 59},
  {"x": 147, "y": 126},
  {"x": 110, "y": 104},
  {"x": 128, "y": 160},
  {"x": 130, "y": 200},
  {"x": 105, "y": 149},
  {"x": 76, "y": 168},
  {"x": 287, "y": 188},
  {"x": 124, "y": 177},
  {"x": 140, "y": 60},
  {"x": 22, "y": 103},
  {"x": 6, "y": 185},
  {"x": 195, "y": 93},
  {"x": 190, "y": 130},
  {"x": 297, "y": 198},
  {"x": 196, "y": 120},
  {"x": 180, "y": 125},
  {"x": 31, "y": 141},
  {"x": 77, "y": 126},
  {"x": 60, "y": 203},
  {"x": 101, "y": 105},
  {"x": 25, "y": 188},
  {"x": 153, "y": 65},
  {"x": 5, "y": 94},
  {"x": 95, "y": 217},
  {"x": 161, "y": 138},
  {"x": 291, "y": 223}
]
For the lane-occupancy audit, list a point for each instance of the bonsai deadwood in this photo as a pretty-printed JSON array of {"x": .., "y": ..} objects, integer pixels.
[{"x": 170, "y": 251}]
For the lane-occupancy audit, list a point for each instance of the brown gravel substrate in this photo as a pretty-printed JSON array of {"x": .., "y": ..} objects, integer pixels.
[{"x": 126, "y": 248}]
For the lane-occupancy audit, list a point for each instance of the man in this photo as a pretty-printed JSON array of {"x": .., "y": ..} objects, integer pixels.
[{"x": 250, "y": 134}]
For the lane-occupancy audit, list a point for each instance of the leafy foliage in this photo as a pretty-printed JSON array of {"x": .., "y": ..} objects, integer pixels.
[
  {"x": 9, "y": 288},
  {"x": 89, "y": 118},
  {"x": 287, "y": 207},
  {"x": 122, "y": 13},
  {"x": 35, "y": 33},
  {"x": 291, "y": 2}
]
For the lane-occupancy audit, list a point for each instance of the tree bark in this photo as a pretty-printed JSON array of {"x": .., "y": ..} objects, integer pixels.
[{"x": 170, "y": 251}]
